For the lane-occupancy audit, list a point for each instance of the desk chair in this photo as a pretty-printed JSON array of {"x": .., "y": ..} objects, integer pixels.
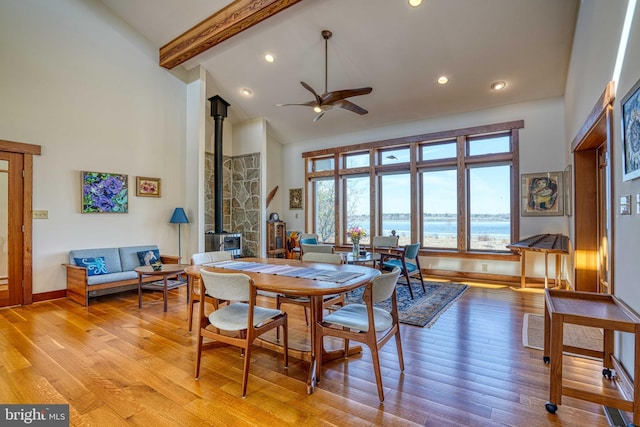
[
  {"x": 329, "y": 300},
  {"x": 248, "y": 319},
  {"x": 382, "y": 244},
  {"x": 408, "y": 262},
  {"x": 200, "y": 259},
  {"x": 362, "y": 323}
]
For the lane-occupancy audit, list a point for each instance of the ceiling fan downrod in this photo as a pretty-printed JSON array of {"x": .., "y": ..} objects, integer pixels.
[{"x": 326, "y": 35}]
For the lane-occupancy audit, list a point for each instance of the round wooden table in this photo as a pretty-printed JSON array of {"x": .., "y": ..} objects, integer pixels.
[{"x": 165, "y": 271}]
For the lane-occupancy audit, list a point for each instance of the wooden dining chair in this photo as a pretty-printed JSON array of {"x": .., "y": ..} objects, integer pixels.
[
  {"x": 365, "y": 323},
  {"x": 408, "y": 262},
  {"x": 247, "y": 319},
  {"x": 203, "y": 258},
  {"x": 329, "y": 300},
  {"x": 382, "y": 244}
]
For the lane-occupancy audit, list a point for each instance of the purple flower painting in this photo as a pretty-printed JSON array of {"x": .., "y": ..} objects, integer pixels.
[{"x": 104, "y": 192}]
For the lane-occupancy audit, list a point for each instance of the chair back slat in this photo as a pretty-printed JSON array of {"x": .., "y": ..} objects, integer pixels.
[
  {"x": 383, "y": 285},
  {"x": 325, "y": 249},
  {"x": 322, "y": 257},
  {"x": 227, "y": 286},
  {"x": 209, "y": 257}
]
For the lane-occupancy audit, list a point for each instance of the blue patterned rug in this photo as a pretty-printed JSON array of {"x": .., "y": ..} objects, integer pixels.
[{"x": 425, "y": 309}]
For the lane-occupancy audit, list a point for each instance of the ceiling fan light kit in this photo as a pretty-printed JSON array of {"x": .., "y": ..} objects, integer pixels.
[{"x": 328, "y": 100}]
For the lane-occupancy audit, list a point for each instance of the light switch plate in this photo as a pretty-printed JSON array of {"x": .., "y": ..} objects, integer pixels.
[{"x": 41, "y": 214}]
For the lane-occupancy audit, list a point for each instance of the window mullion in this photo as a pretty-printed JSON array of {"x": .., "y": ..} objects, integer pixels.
[{"x": 462, "y": 194}]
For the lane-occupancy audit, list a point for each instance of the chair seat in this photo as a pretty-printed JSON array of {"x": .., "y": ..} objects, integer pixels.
[
  {"x": 233, "y": 317},
  {"x": 397, "y": 263},
  {"x": 355, "y": 316}
]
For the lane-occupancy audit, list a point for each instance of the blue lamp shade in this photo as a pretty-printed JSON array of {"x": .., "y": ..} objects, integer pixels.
[{"x": 179, "y": 217}]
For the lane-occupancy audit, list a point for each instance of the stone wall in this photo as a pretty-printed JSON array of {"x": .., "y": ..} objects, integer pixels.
[{"x": 240, "y": 199}]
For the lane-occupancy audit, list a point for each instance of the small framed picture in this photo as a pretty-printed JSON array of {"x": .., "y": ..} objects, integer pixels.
[
  {"x": 295, "y": 198},
  {"x": 542, "y": 194},
  {"x": 147, "y": 187}
]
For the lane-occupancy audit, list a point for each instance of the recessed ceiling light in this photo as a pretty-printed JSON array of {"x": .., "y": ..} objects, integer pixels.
[
  {"x": 443, "y": 80},
  {"x": 317, "y": 109},
  {"x": 246, "y": 91},
  {"x": 498, "y": 85},
  {"x": 415, "y": 3},
  {"x": 269, "y": 57}
]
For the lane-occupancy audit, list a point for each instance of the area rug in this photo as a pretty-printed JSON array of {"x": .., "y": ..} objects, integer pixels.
[
  {"x": 573, "y": 335},
  {"x": 427, "y": 306}
]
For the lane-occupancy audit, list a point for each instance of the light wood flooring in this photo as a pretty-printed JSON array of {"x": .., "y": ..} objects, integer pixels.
[{"x": 118, "y": 365}]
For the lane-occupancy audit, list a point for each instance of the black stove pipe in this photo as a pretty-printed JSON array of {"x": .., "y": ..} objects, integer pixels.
[{"x": 218, "y": 112}]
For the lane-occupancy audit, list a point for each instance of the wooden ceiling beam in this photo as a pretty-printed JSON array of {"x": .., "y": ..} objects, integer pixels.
[{"x": 226, "y": 23}]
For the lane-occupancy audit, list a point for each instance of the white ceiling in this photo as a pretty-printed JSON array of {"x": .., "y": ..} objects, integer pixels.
[{"x": 398, "y": 50}]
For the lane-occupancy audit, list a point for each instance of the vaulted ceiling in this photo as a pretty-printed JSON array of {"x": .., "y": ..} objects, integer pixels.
[{"x": 398, "y": 50}]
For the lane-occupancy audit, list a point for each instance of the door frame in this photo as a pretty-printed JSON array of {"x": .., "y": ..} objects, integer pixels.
[
  {"x": 596, "y": 133},
  {"x": 27, "y": 151}
]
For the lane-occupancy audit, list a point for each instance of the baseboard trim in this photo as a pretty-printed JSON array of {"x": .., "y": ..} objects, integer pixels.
[
  {"x": 624, "y": 383},
  {"x": 45, "y": 296}
]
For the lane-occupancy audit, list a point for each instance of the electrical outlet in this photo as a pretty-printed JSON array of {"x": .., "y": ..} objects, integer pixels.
[
  {"x": 485, "y": 268},
  {"x": 41, "y": 214}
]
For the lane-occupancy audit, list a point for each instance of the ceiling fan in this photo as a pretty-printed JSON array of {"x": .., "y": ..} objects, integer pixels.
[{"x": 337, "y": 98}]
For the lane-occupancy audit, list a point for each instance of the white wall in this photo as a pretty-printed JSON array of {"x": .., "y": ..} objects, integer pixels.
[
  {"x": 541, "y": 149},
  {"x": 77, "y": 81},
  {"x": 592, "y": 64}
]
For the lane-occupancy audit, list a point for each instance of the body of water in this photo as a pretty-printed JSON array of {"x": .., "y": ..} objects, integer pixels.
[{"x": 498, "y": 229}]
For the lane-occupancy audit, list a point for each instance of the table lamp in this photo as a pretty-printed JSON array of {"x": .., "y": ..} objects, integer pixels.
[{"x": 179, "y": 217}]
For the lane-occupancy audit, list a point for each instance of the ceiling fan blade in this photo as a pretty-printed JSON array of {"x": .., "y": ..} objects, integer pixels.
[
  {"x": 337, "y": 95},
  {"x": 306, "y": 104},
  {"x": 310, "y": 89},
  {"x": 318, "y": 117},
  {"x": 350, "y": 106}
]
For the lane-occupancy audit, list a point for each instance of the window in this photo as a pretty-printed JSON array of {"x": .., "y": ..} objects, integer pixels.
[
  {"x": 356, "y": 204},
  {"x": 356, "y": 160},
  {"x": 395, "y": 196},
  {"x": 450, "y": 190},
  {"x": 438, "y": 151},
  {"x": 489, "y": 208},
  {"x": 324, "y": 210},
  {"x": 440, "y": 209}
]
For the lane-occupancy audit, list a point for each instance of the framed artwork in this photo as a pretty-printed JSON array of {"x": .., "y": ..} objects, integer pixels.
[
  {"x": 104, "y": 192},
  {"x": 630, "y": 106},
  {"x": 147, "y": 187},
  {"x": 542, "y": 194},
  {"x": 625, "y": 205},
  {"x": 568, "y": 193},
  {"x": 295, "y": 198}
]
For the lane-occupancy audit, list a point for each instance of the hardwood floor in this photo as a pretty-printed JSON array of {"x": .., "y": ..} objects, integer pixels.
[{"x": 115, "y": 365}]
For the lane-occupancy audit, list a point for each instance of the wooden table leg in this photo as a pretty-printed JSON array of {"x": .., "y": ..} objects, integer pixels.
[
  {"x": 546, "y": 270},
  {"x": 523, "y": 270},
  {"x": 555, "y": 378},
  {"x": 139, "y": 290},
  {"x": 164, "y": 291},
  {"x": 314, "y": 369}
]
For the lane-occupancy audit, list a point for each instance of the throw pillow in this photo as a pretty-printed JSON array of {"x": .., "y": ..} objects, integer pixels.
[
  {"x": 309, "y": 241},
  {"x": 149, "y": 257},
  {"x": 94, "y": 266}
]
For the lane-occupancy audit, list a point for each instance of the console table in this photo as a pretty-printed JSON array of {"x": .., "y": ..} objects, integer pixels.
[
  {"x": 557, "y": 244},
  {"x": 598, "y": 311}
]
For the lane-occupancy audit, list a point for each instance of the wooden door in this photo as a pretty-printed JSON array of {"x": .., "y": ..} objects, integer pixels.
[{"x": 11, "y": 229}]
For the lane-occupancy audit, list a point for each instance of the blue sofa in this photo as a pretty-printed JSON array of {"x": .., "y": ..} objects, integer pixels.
[{"x": 117, "y": 271}]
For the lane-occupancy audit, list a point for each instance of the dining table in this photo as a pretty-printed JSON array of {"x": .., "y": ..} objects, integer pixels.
[{"x": 297, "y": 278}]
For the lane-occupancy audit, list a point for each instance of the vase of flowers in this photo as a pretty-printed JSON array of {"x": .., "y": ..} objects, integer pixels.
[{"x": 356, "y": 233}]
